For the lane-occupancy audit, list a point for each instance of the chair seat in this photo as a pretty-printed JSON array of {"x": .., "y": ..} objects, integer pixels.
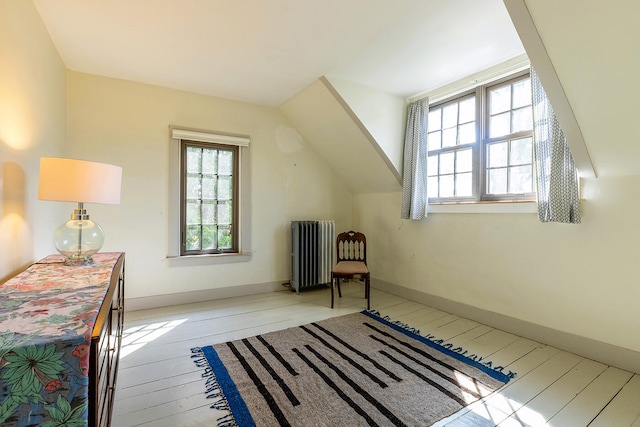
[{"x": 350, "y": 267}]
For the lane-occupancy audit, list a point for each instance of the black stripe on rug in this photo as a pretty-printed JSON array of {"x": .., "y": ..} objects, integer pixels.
[
  {"x": 416, "y": 349},
  {"x": 285, "y": 388},
  {"x": 337, "y": 389},
  {"x": 346, "y": 358},
  {"x": 379, "y": 406},
  {"x": 322, "y": 374},
  {"x": 282, "y": 420},
  {"x": 358, "y": 352},
  {"x": 435, "y": 371},
  {"x": 277, "y": 355}
]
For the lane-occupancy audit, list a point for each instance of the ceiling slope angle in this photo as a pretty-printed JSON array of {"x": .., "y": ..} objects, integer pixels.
[{"x": 330, "y": 130}]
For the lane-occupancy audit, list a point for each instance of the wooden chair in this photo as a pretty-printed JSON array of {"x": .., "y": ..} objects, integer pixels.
[{"x": 351, "y": 254}]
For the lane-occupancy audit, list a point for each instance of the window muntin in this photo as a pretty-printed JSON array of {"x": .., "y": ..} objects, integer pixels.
[
  {"x": 452, "y": 135},
  {"x": 480, "y": 144},
  {"x": 209, "y": 194}
]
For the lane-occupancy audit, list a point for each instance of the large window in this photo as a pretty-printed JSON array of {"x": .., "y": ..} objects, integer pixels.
[
  {"x": 480, "y": 144},
  {"x": 209, "y": 196}
]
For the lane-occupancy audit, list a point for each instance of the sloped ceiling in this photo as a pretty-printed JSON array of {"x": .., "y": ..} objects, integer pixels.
[
  {"x": 334, "y": 134},
  {"x": 594, "y": 48}
]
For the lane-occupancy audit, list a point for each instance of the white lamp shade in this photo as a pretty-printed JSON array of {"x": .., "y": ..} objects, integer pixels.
[{"x": 70, "y": 180}]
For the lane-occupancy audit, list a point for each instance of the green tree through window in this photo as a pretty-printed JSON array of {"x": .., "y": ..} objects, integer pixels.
[{"x": 209, "y": 195}]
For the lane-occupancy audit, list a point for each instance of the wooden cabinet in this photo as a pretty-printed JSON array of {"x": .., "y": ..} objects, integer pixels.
[
  {"x": 61, "y": 328},
  {"x": 105, "y": 350}
]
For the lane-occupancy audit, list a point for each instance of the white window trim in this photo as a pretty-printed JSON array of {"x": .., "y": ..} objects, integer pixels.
[
  {"x": 173, "y": 209},
  {"x": 506, "y": 207}
]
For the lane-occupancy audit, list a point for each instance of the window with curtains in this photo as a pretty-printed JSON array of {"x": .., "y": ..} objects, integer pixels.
[
  {"x": 480, "y": 145},
  {"x": 209, "y": 197}
]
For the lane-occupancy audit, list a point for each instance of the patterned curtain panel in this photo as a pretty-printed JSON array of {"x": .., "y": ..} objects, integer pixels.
[
  {"x": 414, "y": 179},
  {"x": 557, "y": 178}
]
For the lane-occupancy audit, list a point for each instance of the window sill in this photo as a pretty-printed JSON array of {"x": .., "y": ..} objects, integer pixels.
[
  {"x": 190, "y": 260},
  {"x": 526, "y": 207}
]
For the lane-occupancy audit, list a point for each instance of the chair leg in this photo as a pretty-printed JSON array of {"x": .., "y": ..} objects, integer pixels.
[
  {"x": 332, "y": 285},
  {"x": 367, "y": 291},
  {"x": 339, "y": 291}
]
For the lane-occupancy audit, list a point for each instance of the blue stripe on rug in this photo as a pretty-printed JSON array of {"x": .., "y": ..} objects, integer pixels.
[
  {"x": 495, "y": 373},
  {"x": 236, "y": 403}
]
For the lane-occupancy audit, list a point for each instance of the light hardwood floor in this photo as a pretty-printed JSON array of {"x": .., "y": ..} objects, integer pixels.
[{"x": 159, "y": 385}]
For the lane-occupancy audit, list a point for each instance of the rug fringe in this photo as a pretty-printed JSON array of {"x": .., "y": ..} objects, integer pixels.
[
  {"x": 440, "y": 342},
  {"x": 213, "y": 390}
]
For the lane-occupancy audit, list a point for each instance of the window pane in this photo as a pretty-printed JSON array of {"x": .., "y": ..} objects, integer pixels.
[
  {"x": 522, "y": 119},
  {"x": 225, "y": 191},
  {"x": 432, "y": 186},
  {"x": 464, "y": 185},
  {"x": 210, "y": 161},
  {"x": 209, "y": 212},
  {"x": 497, "y": 181},
  {"x": 464, "y": 161},
  {"x": 193, "y": 212},
  {"x": 500, "y": 100},
  {"x": 522, "y": 93},
  {"x": 193, "y": 186},
  {"x": 449, "y": 137},
  {"x": 208, "y": 187},
  {"x": 194, "y": 156},
  {"x": 434, "y": 119},
  {"x": 520, "y": 179},
  {"x": 467, "y": 110},
  {"x": 435, "y": 140},
  {"x": 208, "y": 199},
  {"x": 224, "y": 213},
  {"x": 209, "y": 237},
  {"x": 520, "y": 151},
  {"x": 468, "y": 133},
  {"x": 432, "y": 165},
  {"x": 225, "y": 162},
  {"x": 446, "y": 186},
  {"x": 224, "y": 238},
  {"x": 446, "y": 163},
  {"x": 192, "y": 241},
  {"x": 499, "y": 125},
  {"x": 497, "y": 155},
  {"x": 450, "y": 115}
]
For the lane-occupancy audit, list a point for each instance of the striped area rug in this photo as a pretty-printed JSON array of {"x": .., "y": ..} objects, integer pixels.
[{"x": 353, "y": 370}]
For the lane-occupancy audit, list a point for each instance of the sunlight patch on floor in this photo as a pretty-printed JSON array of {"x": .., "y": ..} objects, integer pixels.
[{"x": 137, "y": 337}]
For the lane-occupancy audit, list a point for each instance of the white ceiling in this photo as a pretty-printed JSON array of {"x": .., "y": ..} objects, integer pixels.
[{"x": 266, "y": 51}]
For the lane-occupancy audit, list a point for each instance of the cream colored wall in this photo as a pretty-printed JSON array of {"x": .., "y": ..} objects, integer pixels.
[
  {"x": 382, "y": 114},
  {"x": 581, "y": 279},
  {"x": 126, "y": 123},
  {"x": 32, "y": 124}
]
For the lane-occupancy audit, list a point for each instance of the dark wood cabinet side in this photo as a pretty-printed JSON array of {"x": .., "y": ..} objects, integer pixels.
[{"x": 106, "y": 340}]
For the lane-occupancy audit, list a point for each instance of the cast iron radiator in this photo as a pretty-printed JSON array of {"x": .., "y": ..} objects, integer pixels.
[{"x": 312, "y": 253}]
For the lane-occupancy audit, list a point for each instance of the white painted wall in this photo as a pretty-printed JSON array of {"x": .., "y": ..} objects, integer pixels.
[
  {"x": 126, "y": 123},
  {"x": 32, "y": 124},
  {"x": 382, "y": 114},
  {"x": 581, "y": 279}
]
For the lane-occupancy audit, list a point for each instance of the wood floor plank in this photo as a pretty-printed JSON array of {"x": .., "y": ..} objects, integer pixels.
[
  {"x": 586, "y": 405},
  {"x": 159, "y": 385},
  {"x": 541, "y": 408},
  {"x": 624, "y": 409},
  {"x": 532, "y": 371}
]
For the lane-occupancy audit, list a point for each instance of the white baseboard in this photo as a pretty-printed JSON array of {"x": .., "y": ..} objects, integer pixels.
[
  {"x": 157, "y": 301},
  {"x": 609, "y": 354}
]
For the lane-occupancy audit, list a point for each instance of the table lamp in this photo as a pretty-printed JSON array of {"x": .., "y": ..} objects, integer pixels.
[{"x": 80, "y": 181}]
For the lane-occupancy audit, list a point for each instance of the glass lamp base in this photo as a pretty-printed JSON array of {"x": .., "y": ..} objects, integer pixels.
[{"x": 78, "y": 240}]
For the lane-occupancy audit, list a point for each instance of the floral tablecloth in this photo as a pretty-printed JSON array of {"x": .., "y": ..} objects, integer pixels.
[{"x": 47, "y": 315}]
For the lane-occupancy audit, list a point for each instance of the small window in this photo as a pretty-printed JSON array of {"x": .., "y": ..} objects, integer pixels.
[
  {"x": 209, "y": 197},
  {"x": 480, "y": 144}
]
